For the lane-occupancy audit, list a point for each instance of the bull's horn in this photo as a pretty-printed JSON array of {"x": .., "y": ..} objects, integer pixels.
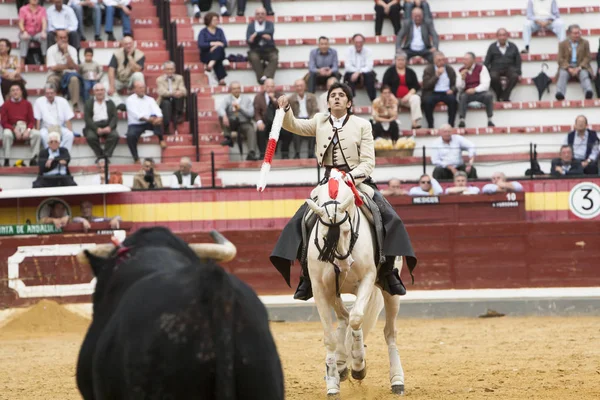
[
  {"x": 101, "y": 251},
  {"x": 221, "y": 251},
  {"x": 317, "y": 209},
  {"x": 346, "y": 203}
]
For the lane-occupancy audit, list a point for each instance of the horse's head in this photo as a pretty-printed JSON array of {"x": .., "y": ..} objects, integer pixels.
[{"x": 335, "y": 209}]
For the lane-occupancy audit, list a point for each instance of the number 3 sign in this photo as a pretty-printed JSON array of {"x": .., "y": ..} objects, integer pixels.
[{"x": 584, "y": 200}]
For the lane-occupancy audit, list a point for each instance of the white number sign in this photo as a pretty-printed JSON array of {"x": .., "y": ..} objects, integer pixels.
[{"x": 584, "y": 200}]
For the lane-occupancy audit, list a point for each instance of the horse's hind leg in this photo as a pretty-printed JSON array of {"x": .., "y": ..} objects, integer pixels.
[
  {"x": 357, "y": 315},
  {"x": 332, "y": 377},
  {"x": 341, "y": 354},
  {"x": 392, "y": 306}
]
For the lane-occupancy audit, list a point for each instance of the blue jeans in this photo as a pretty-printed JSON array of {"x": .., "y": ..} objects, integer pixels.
[
  {"x": 97, "y": 18},
  {"x": 110, "y": 14},
  {"x": 87, "y": 86}
]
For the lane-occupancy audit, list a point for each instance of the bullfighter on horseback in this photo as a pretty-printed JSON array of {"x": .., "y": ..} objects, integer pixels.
[{"x": 344, "y": 142}]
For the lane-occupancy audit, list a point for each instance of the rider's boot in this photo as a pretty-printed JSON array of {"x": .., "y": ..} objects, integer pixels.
[
  {"x": 390, "y": 278},
  {"x": 304, "y": 291}
]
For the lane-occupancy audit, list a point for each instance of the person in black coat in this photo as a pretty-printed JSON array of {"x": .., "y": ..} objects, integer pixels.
[
  {"x": 503, "y": 60},
  {"x": 405, "y": 87},
  {"x": 54, "y": 165},
  {"x": 565, "y": 164}
]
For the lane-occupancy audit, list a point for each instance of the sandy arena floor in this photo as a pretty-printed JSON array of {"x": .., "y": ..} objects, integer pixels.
[{"x": 507, "y": 358}]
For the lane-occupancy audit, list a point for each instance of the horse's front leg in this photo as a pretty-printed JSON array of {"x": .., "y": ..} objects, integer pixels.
[
  {"x": 341, "y": 353},
  {"x": 322, "y": 301},
  {"x": 392, "y": 306},
  {"x": 357, "y": 314}
]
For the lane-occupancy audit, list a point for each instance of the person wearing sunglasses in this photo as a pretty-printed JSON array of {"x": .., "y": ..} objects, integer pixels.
[
  {"x": 428, "y": 186},
  {"x": 501, "y": 185}
]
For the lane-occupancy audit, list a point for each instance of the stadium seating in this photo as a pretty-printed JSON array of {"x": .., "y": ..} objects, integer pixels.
[{"x": 463, "y": 26}]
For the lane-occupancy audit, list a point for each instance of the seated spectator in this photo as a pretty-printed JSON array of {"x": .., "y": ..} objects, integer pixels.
[
  {"x": 94, "y": 5},
  {"x": 143, "y": 114},
  {"x": 574, "y": 62},
  {"x": 33, "y": 24},
  {"x": 389, "y": 9},
  {"x": 235, "y": 115},
  {"x": 147, "y": 178},
  {"x": 428, "y": 186},
  {"x": 474, "y": 87},
  {"x": 185, "y": 178},
  {"x": 121, "y": 8},
  {"x": 409, "y": 5},
  {"x": 100, "y": 116},
  {"x": 114, "y": 177},
  {"x": 259, "y": 37},
  {"x": 503, "y": 61},
  {"x": 418, "y": 38},
  {"x": 584, "y": 143},
  {"x": 359, "y": 67},
  {"x": 53, "y": 113},
  {"x": 10, "y": 69},
  {"x": 54, "y": 165},
  {"x": 439, "y": 86},
  {"x": 322, "y": 65},
  {"x": 90, "y": 71},
  {"x": 241, "y": 5},
  {"x": 323, "y": 106},
  {"x": 565, "y": 164},
  {"x": 18, "y": 123},
  {"x": 87, "y": 217},
  {"x": 61, "y": 17},
  {"x": 265, "y": 104},
  {"x": 384, "y": 113},
  {"x": 62, "y": 69},
  {"x": 447, "y": 155},
  {"x": 171, "y": 96},
  {"x": 460, "y": 185},
  {"x": 404, "y": 84},
  {"x": 501, "y": 185},
  {"x": 304, "y": 106},
  {"x": 58, "y": 216},
  {"x": 125, "y": 68},
  {"x": 542, "y": 14},
  {"x": 212, "y": 43},
  {"x": 394, "y": 188}
]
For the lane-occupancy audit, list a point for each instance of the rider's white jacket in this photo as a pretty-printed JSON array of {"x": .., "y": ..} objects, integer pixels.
[{"x": 355, "y": 147}]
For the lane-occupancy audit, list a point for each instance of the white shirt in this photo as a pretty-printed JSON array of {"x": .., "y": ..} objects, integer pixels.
[
  {"x": 113, "y": 3},
  {"x": 445, "y": 154},
  {"x": 468, "y": 190},
  {"x": 56, "y": 113},
  {"x": 258, "y": 27},
  {"x": 100, "y": 111},
  {"x": 435, "y": 185},
  {"x": 502, "y": 48},
  {"x": 542, "y": 9},
  {"x": 359, "y": 62},
  {"x": 417, "y": 43},
  {"x": 56, "y": 57},
  {"x": 186, "y": 181},
  {"x": 484, "y": 80},
  {"x": 302, "y": 112},
  {"x": 580, "y": 147},
  {"x": 492, "y": 188},
  {"x": 59, "y": 169},
  {"x": 337, "y": 123},
  {"x": 443, "y": 82},
  {"x": 65, "y": 19},
  {"x": 141, "y": 108}
]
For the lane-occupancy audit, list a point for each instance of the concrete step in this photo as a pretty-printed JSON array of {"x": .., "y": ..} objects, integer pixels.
[{"x": 288, "y": 27}]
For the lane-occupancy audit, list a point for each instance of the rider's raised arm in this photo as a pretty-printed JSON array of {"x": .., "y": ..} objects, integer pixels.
[
  {"x": 302, "y": 127},
  {"x": 366, "y": 163}
]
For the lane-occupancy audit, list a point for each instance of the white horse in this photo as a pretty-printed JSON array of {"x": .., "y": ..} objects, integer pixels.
[{"x": 342, "y": 238}]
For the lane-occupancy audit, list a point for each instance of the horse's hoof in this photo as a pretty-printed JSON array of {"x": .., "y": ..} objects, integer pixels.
[
  {"x": 398, "y": 389},
  {"x": 343, "y": 374},
  {"x": 359, "y": 375},
  {"x": 333, "y": 396}
]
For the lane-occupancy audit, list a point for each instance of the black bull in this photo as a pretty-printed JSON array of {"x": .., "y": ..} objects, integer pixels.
[{"x": 170, "y": 324}]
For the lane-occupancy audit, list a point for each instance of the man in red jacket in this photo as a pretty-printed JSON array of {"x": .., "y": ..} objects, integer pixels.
[{"x": 16, "y": 117}]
